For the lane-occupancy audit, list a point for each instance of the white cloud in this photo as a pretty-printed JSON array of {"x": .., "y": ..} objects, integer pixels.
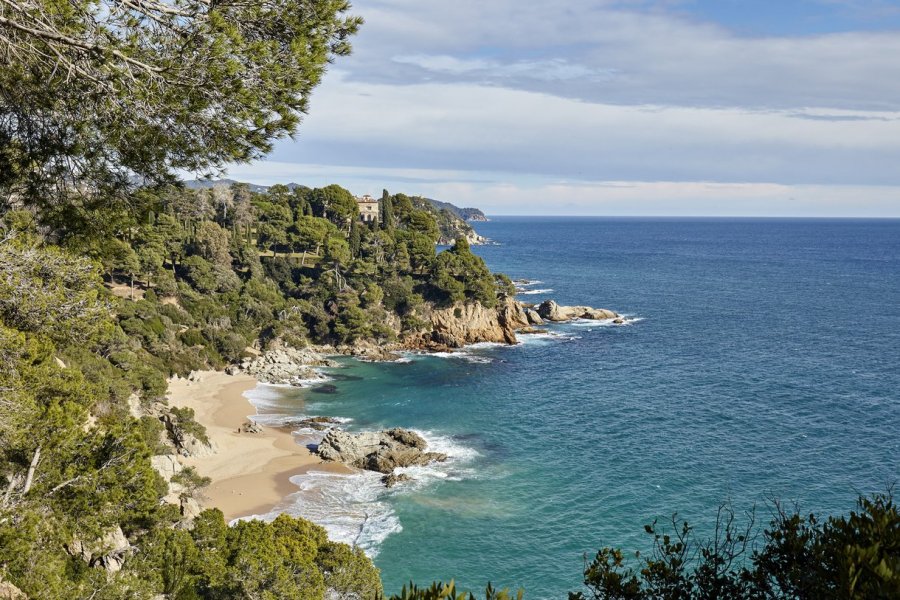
[
  {"x": 469, "y": 127},
  {"x": 506, "y": 193},
  {"x": 657, "y": 57},
  {"x": 495, "y": 102}
]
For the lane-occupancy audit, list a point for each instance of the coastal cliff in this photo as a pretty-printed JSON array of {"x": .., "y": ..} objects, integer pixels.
[{"x": 471, "y": 322}]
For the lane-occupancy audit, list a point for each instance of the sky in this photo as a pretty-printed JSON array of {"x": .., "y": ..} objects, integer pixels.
[{"x": 612, "y": 107}]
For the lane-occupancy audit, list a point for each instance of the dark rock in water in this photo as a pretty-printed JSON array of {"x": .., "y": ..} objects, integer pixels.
[
  {"x": 317, "y": 423},
  {"x": 551, "y": 311},
  {"x": 343, "y": 377},
  {"x": 394, "y": 478},
  {"x": 381, "y": 451},
  {"x": 325, "y": 389},
  {"x": 532, "y": 330}
]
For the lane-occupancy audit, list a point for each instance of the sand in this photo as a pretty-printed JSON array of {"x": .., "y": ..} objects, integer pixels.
[{"x": 250, "y": 472}]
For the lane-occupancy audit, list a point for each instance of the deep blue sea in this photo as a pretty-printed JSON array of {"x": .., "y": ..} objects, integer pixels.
[{"x": 763, "y": 361}]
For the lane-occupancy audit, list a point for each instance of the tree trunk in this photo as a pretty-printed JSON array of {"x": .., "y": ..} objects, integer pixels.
[
  {"x": 303, "y": 259},
  {"x": 30, "y": 477},
  {"x": 132, "y": 287}
]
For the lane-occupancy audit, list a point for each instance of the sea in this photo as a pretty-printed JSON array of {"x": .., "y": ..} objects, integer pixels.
[{"x": 760, "y": 362}]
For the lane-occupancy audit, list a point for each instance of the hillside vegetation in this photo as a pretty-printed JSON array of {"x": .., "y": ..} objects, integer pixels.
[{"x": 108, "y": 286}]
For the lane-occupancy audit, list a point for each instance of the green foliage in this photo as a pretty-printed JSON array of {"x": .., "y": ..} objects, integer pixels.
[
  {"x": 800, "y": 557},
  {"x": 154, "y": 88},
  {"x": 447, "y": 591}
]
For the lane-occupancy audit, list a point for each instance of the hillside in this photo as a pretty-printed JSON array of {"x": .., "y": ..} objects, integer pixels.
[{"x": 452, "y": 220}]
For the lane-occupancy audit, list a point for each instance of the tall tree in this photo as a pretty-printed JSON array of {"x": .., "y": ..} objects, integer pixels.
[{"x": 98, "y": 94}]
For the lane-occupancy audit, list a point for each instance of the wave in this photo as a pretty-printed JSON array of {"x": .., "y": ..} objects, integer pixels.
[
  {"x": 354, "y": 508},
  {"x": 351, "y": 508},
  {"x": 461, "y": 355},
  {"x": 533, "y": 292}
]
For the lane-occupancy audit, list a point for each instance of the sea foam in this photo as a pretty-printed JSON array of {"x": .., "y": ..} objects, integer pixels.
[{"x": 354, "y": 509}]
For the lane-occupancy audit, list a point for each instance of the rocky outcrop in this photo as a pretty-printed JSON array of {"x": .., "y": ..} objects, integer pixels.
[
  {"x": 184, "y": 442},
  {"x": 284, "y": 365},
  {"x": 10, "y": 592},
  {"x": 381, "y": 451},
  {"x": 552, "y": 311},
  {"x": 166, "y": 465},
  {"x": 109, "y": 552},
  {"x": 471, "y": 323}
]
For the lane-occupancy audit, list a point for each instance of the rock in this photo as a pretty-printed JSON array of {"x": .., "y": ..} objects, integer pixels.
[
  {"x": 393, "y": 479},
  {"x": 10, "y": 592},
  {"x": 532, "y": 330},
  {"x": 285, "y": 365},
  {"x": 471, "y": 322},
  {"x": 190, "y": 509},
  {"x": 552, "y": 311},
  {"x": 619, "y": 321},
  {"x": 166, "y": 465},
  {"x": 251, "y": 427},
  {"x": 327, "y": 388},
  {"x": 108, "y": 552},
  {"x": 533, "y": 317},
  {"x": 134, "y": 405},
  {"x": 381, "y": 451},
  {"x": 193, "y": 446},
  {"x": 316, "y": 423}
]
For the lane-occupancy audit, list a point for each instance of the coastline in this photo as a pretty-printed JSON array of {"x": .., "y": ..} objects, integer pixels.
[{"x": 250, "y": 472}]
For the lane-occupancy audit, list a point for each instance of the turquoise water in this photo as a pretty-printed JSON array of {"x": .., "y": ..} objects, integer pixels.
[{"x": 763, "y": 362}]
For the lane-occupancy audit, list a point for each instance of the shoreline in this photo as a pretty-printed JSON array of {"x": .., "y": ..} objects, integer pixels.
[{"x": 250, "y": 472}]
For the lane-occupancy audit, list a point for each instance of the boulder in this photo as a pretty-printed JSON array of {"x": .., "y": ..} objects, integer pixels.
[
  {"x": 394, "y": 478},
  {"x": 166, "y": 465},
  {"x": 108, "y": 552},
  {"x": 285, "y": 365},
  {"x": 533, "y": 317},
  {"x": 316, "y": 423},
  {"x": 381, "y": 451},
  {"x": 552, "y": 311},
  {"x": 10, "y": 592},
  {"x": 251, "y": 427},
  {"x": 189, "y": 508}
]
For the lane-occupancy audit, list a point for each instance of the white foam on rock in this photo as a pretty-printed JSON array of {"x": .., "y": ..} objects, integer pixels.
[{"x": 355, "y": 509}]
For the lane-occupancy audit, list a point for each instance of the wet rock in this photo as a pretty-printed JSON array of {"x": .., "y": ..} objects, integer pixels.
[
  {"x": 327, "y": 388},
  {"x": 393, "y": 479},
  {"x": 552, "y": 311},
  {"x": 316, "y": 423},
  {"x": 381, "y": 451},
  {"x": 284, "y": 365}
]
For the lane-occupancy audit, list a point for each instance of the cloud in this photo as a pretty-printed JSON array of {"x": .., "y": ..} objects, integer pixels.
[
  {"x": 500, "y": 103},
  {"x": 547, "y": 70},
  {"x": 469, "y": 127},
  {"x": 507, "y": 193},
  {"x": 645, "y": 55}
]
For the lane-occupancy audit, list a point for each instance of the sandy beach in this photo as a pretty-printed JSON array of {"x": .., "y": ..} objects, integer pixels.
[{"x": 250, "y": 472}]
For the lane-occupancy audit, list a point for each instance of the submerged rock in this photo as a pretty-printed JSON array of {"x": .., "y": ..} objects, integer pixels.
[
  {"x": 395, "y": 478},
  {"x": 380, "y": 451},
  {"x": 327, "y": 388},
  {"x": 316, "y": 423}
]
